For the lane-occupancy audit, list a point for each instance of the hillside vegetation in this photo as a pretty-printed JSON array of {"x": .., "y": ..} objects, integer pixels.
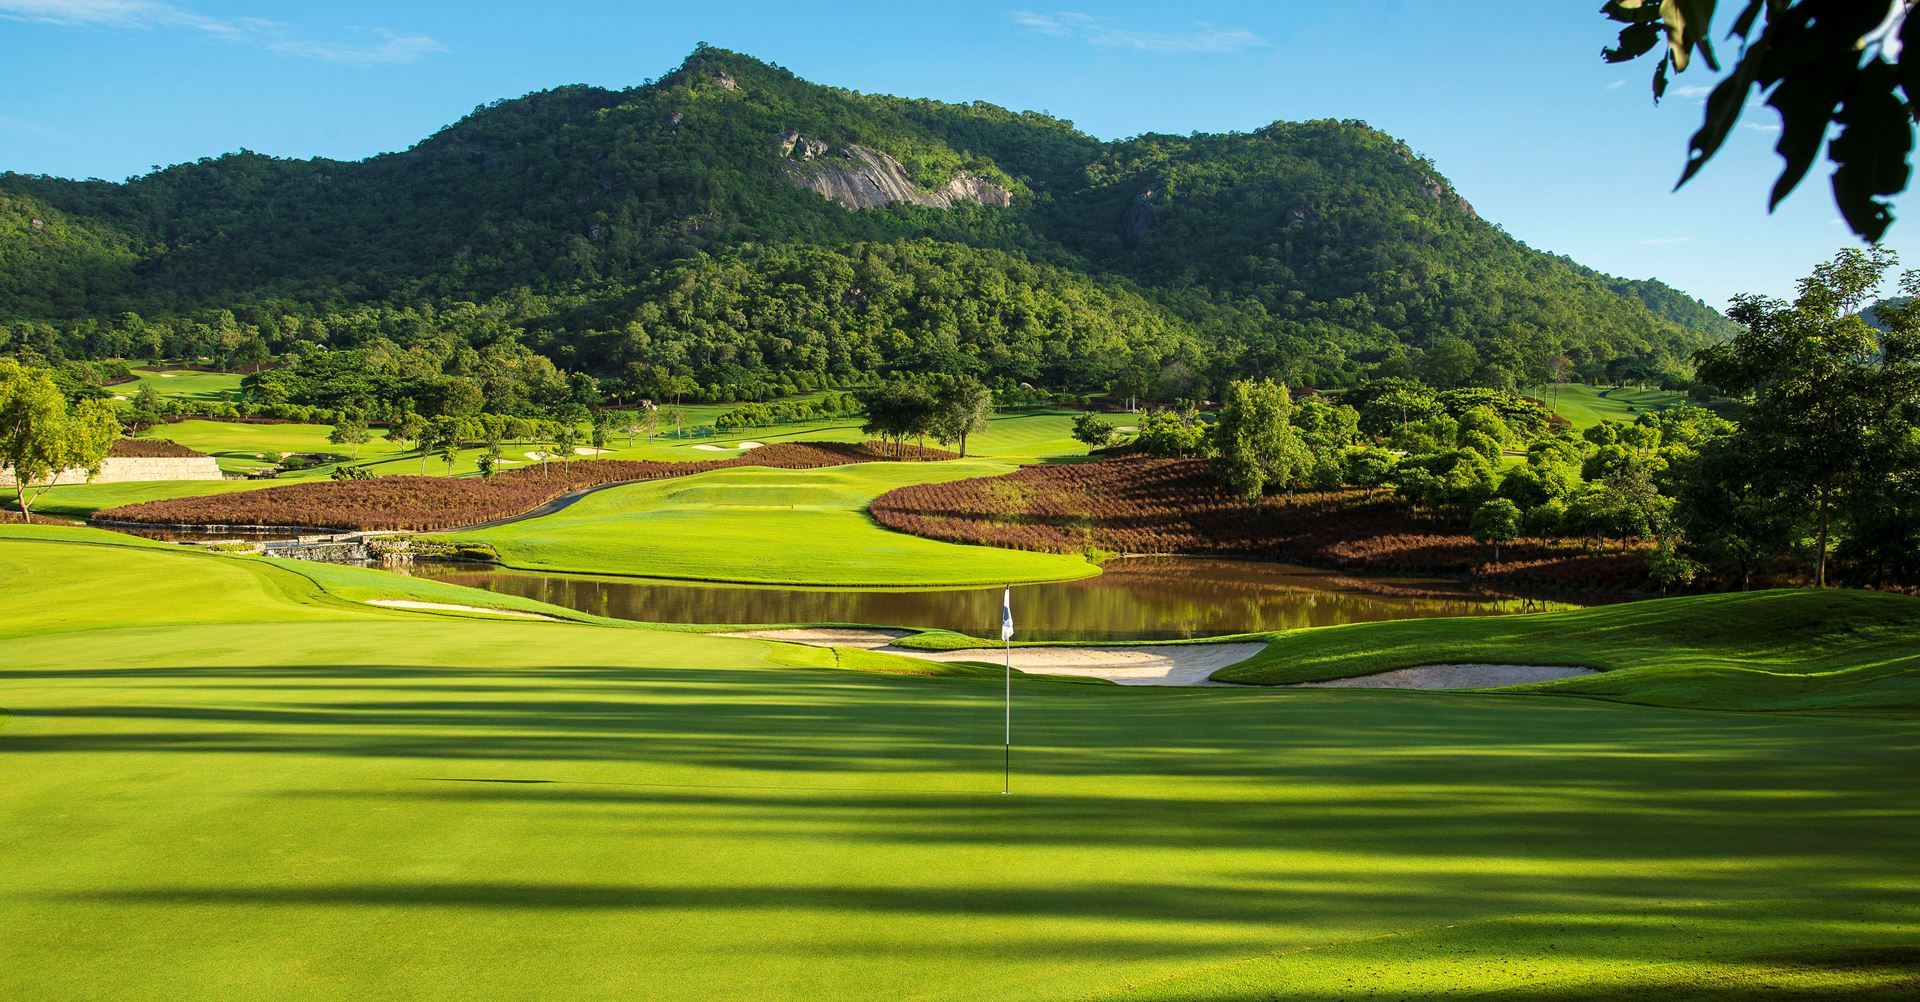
[{"x": 678, "y": 230}]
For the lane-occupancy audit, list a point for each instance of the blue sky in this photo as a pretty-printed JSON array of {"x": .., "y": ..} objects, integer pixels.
[{"x": 1513, "y": 102}]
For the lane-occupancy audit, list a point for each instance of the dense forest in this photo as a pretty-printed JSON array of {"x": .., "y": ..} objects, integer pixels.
[{"x": 731, "y": 228}]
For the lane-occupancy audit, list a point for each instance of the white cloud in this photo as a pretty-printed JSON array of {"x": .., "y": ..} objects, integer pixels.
[
  {"x": 1616, "y": 85},
  {"x": 370, "y": 46},
  {"x": 1664, "y": 241},
  {"x": 1691, "y": 90},
  {"x": 1761, "y": 126},
  {"x": 1101, "y": 31}
]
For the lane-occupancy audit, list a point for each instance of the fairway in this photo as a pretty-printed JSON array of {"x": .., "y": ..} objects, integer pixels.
[
  {"x": 802, "y": 527},
  {"x": 261, "y": 789},
  {"x": 1586, "y": 406}
]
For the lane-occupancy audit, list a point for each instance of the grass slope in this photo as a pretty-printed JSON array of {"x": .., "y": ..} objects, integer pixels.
[
  {"x": 766, "y": 526},
  {"x": 1586, "y": 405},
  {"x": 252, "y": 789},
  {"x": 1753, "y": 650}
]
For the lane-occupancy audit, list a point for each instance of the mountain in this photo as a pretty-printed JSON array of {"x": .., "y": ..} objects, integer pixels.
[{"x": 733, "y": 223}]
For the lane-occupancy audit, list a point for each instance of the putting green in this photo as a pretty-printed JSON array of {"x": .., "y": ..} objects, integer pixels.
[
  {"x": 758, "y": 525},
  {"x": 218, "y": 780}
]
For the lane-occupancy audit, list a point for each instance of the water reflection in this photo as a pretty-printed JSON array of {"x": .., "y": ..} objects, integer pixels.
[{"x": 1144, "y": 597}]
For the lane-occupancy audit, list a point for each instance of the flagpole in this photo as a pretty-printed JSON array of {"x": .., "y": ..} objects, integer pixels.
[
  {"x": 1006, "y": 638},
  {"x": 1006, "y": 748}
]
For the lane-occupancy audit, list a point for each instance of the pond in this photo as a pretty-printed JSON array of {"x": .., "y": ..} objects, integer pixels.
[{"x": 1145, "y": 598}]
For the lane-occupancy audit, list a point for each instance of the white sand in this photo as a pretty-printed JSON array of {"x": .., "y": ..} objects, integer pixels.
[
  {"x": 407, "y": 603},
  {"x": 164, "y": 375},
  {"x": 1461, "y": 676},
  {"x": 730, "y": 448},
  {"x": 588, "y": 450},
  {"x": 712, "y": 448},
  {"x": 750, "y": 445},
  {"x": 1155, "y": 664}
]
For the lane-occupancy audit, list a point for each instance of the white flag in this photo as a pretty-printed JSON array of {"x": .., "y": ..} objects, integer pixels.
[{"x": 1006, "y": 615}]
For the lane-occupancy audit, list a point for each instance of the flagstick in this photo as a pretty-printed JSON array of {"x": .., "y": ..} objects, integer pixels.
[{"x": 1006, "y": 749}]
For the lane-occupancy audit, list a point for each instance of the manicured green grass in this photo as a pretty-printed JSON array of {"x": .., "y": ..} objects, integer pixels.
[
  {"x": 766, "y": 526},
  {"x": 1023, "y": 436},
  {"x": 1586, "y": 405},
  {"x": 182, "y": 383},
  {"x": 218, "y": 781},
  {"x": 1756, "y": 650}
]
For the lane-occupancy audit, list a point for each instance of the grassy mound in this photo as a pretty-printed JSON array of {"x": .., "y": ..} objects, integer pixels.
[{"x": 1755, "y": 650}]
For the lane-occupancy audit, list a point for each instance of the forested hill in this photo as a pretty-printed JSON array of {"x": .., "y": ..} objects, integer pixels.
[{"x": 731, "y": 223}]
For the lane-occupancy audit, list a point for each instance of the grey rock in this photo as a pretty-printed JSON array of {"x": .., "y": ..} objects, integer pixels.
[{"x": 862, "y": 178}]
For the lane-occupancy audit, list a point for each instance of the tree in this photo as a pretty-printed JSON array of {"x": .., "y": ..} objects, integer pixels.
[
  {"x": 1452, "y": 362},
  {"x": 407, "y": 429},
  {"x": 1827, "y": 389},
  {"x": 896, "y": 411},
  {"x": 41, "y": 437},
  {"x": 565, "y": 439},
  {"x": 442, "y": 436},
  {"x": 962, "y": 406},
  {"x": 675, "y": 416},
  {"x": 1257, "y": 442},
  {"x": 1093, "y": 430},
  {"x": 146, "y": 410},
  {"x": 488, "y": 462},
  {"x": 602, "y": 428},
  {"x": 1496, "y": 521},
  {"x": 349, "y": 432},
  {"x": 1820, "y": 63}
]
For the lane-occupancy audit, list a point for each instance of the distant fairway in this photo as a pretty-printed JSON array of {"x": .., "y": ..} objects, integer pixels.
[
  {"x": 187, "y": 384},
  {"x": 766, "y": 526},
  {"x": 217, "y": 780},
  {"x": 1586, "y": 405}
]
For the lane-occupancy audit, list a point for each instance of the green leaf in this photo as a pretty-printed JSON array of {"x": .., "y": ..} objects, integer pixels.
[{"x": 1871, "y": 151}]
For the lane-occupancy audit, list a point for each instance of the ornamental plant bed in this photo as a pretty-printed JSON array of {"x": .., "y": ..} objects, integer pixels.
[
  {"x": 1145, "y": 505},
  {"x": 432, "y": 503},
  {"x": 150, "y": 448}
]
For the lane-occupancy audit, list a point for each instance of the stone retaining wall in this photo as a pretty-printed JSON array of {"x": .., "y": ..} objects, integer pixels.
[{"x": 131, "y": 469}]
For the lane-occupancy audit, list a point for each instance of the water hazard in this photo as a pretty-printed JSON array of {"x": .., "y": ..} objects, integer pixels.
[{"x": 1157, "y": 598}]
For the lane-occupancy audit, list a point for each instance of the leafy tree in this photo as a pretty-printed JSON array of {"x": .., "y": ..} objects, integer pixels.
[
  {"x": 42, "y": 436},
  {"x": 896, "y": 411},
  {"x": 565, "y": 439},
  {"x": 1257, "y": 442},
  {"x": 1496, "y": 521},
  {"x": 1826, "y": 388},
  {"x": 1092, "y": 430},
  {"x": 145, "y": 410},
  {"x": 1167, "y": 433},
  {"x": 962, "y": 406},
  {"x": 1821, "y": 64},
  {"x": 350, "y": 432},
  {"x": 488, "y": 462}
]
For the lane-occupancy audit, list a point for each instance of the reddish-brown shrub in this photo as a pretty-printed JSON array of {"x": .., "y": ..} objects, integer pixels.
[
  {"x": 150, "y": 448},
  {"x": 1143, "y": 505}
]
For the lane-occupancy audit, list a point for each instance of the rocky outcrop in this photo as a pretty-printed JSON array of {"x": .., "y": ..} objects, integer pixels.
[
  {"x": 862, "y": 178},
  {"x": 1138, "y": 217}
]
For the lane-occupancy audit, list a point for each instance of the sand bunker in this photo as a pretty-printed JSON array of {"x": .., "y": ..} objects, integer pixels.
[
  {"x": 588, "y": 450},
  {"x": 1461, "y": 676},
  {"x": 730, "y": 448},
  {"x": 1148, "y": 664},
  {"x": 536, "y": 455},
  {"x": 407, "y": 603}
]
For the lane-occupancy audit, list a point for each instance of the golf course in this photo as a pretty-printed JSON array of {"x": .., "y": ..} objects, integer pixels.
[{"x": 513, "y": 502}]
